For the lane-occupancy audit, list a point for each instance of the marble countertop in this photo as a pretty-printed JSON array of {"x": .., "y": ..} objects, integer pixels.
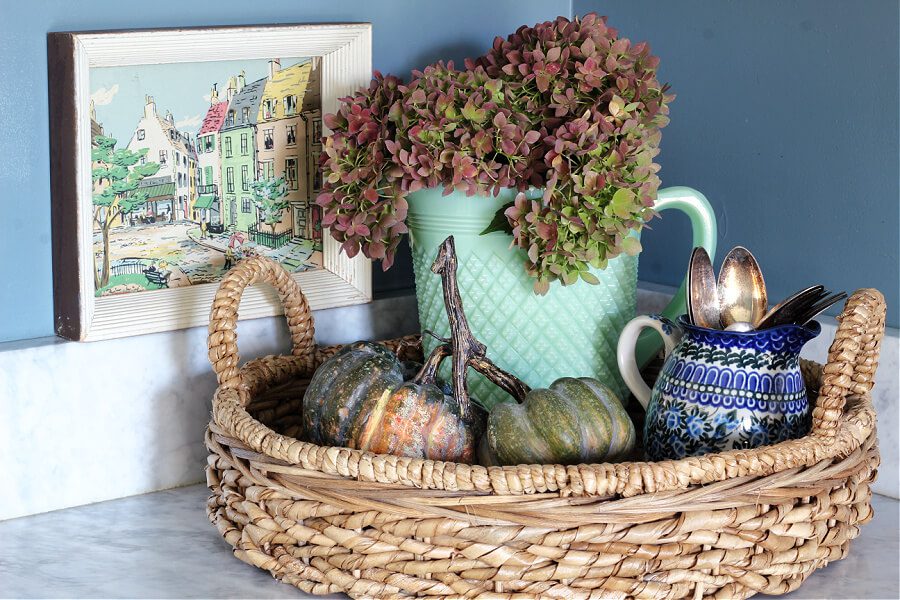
[{"x": 161, "y": 545}]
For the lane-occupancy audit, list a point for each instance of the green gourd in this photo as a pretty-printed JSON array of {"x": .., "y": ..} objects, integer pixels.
[
  {"x": 363, "y": 398},
  {"x": 573, "y": 421}
]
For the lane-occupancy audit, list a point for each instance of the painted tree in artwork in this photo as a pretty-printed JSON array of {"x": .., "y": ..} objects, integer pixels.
[
  {"x": 117, "y": 175},
  {"x": 269, "y": 198}
]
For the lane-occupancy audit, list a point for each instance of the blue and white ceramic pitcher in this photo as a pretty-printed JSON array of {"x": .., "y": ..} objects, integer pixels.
[{"x": 719, "y": 390}]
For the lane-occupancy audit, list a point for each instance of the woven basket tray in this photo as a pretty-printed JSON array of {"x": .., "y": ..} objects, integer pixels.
[{"x": 725, "y": 525}]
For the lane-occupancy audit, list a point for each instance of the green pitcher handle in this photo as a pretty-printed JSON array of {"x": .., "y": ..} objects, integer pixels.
[{"x": 704, "y": 230}]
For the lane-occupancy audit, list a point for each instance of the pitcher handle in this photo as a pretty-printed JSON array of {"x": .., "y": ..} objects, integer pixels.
[
  {"x": 626, "y": 351},
  {"x": 704, "y": 232}
]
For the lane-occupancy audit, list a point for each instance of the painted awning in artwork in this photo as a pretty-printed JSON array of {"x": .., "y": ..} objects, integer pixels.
[
  {"x": 205, "y": 201},
  {"x": 159, "y": 191}
]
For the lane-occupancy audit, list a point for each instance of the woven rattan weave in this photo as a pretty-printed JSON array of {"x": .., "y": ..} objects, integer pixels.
[{"x": 725, "y": 525}]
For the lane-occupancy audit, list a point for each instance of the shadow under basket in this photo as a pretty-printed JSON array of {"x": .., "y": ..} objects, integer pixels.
[{"x": 726, "y": 525}]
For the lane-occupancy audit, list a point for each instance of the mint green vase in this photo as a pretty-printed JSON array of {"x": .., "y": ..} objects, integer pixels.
[{"x": 571, "y": 331}]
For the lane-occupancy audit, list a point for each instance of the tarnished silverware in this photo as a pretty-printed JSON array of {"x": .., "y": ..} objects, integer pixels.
[
  {"x": 785, "y": 311},
  {"x": 822, "y": 305},
  {"x": 738, "y": 301},
  {"x": 701, "y": 290},
  {"x": 742, "y": 289}
]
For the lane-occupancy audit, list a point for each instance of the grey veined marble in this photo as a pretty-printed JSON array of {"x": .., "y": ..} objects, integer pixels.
[{"x": 162, "y": 546}]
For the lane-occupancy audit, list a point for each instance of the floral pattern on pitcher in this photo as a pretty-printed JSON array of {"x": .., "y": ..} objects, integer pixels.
[
  {"x": 684, "y": 429},
  {"x": 723, "y": 390}
]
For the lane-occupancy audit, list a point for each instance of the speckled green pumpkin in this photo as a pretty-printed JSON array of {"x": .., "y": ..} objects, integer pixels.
[
  {"x": 363, "y": 398},
  {"x": 574, "y": 421}
]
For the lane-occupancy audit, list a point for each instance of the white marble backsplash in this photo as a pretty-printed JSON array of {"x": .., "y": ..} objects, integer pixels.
[{"x": 86, "y": 422}]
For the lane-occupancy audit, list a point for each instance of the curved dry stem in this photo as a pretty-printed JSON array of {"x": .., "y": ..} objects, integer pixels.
[
  {"x": 505, "y": 380},
  {"x": 466, "y": 350}
]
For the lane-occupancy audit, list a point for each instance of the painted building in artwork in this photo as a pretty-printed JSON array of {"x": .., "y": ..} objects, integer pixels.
[
  {"x": 313, "y": 119},
  {"x": 194, "y": 177},
  {"x": 174, "y": 151},
  {"x": 314, "y": 176},
  {"x": 96, "y": 127},
  {"x": 238, "y": 153},
  {"x": 282, "y": 134},
  {"x": 161, "y": 201},
  {"x": 208, "y": 205}
]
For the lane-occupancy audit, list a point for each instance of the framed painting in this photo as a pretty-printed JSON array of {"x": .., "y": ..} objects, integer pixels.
[{"x": 176, "y": 152}]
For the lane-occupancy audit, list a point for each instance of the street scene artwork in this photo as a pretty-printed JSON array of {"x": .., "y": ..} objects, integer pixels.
[{"x": 196, "y": 165}]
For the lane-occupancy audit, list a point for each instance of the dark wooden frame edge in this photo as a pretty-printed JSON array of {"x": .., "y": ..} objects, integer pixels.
[{"x": 64, "y": 185}]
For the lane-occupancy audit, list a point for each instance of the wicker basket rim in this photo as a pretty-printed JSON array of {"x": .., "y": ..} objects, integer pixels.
[{"x": 846, "y": 379}]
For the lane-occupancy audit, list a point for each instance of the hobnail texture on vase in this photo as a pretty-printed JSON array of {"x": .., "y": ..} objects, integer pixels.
[{"x": 571, "y": 331}]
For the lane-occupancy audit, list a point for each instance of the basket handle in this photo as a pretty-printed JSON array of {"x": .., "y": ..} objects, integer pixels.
[
  {"x": 852, "y": 358},
  {"x": 222, "y": 341}
]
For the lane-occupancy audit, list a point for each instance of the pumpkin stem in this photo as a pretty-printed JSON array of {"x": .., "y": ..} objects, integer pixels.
[
  {"x": 466, "y": 350},
  {"x": 505, "y": 380},
  {"x": 428, "y": 373}
]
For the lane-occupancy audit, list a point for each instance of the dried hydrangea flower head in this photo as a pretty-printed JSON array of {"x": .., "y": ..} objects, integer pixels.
[{"x": 565, "y": 105}]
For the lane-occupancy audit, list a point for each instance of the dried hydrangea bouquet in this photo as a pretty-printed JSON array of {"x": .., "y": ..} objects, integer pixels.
[{"x": 539, "y": 158}]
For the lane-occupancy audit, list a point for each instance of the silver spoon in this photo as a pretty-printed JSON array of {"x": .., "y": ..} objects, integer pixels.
[
  {"x": 702, "y": 294},
  {"x": 742, "y": 289}
]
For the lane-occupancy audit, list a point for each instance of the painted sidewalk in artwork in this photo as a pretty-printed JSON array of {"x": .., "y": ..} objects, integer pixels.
[{"x": 189, "y": 258}]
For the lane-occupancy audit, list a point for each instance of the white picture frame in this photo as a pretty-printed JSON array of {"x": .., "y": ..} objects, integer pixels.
[{"x": 346, "y": 65}]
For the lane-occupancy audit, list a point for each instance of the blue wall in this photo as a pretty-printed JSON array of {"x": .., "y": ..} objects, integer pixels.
[
  {"x": 406, "y": 34},
  {"x": 786, "y": 118}
]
